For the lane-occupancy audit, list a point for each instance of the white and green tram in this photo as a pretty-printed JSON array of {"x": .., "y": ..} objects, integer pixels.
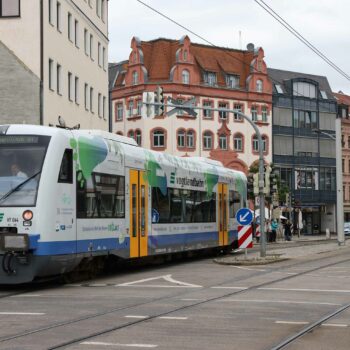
[{"x": 67, "y": 195}]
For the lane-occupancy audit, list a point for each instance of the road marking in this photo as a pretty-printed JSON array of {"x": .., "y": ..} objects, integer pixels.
[
  {"x": 291, "y": 322},
  {"x": 334, "y": 325},
  {"x": 247, "y": 268},
  {"x": 308, "y": 290},
  {"x": 278, "y": 302},
  {"x": 98, "y": 285},
  {"x": 23, "y": 313},
  {"x": 228, "y": 287},
  {"x": 26, "y": 296},
  {"x": 167, "y": 278},
  {"x": 136, "y": 316},
  {"x": 193, "y": 299},
  {"x": 97, "y": 343},
  {"x": 173, "y": 318}
]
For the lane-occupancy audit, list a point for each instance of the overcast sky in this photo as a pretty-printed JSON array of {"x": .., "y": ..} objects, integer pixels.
[{"x": 324, "y": 23}]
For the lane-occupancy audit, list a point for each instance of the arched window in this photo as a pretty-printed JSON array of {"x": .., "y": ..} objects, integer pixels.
[
  {"x": 185, "y": 76},
  {"x": 256, "y": 143},
  {"x": 131, "y": 134},
  {"x": 223, "y": 141},
  {"x": 158, "y": 138},
  {"x": 135, "y": 78},
  {"x": 181, "y": 138},
  {"x": 138, "y": 137},
  {"x": 190, "y": 139},
  {"x": 207, "y": 140},
  {"x": 238, "y": 142},
  {"x": 259, "y": 85}
]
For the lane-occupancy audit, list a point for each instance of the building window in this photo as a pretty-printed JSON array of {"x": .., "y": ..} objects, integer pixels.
[
  {"x": 207, "y": 113},
  {"x": 135, "y": 78},
  {"x": 51, "y": 15},
  {"x": 10, "y": 8},
  {"x": 76, "y": 90},
  {"x": 59, "y": 79},
  {"x": 207, "y": 140},
  {"x": 238, "y": 142},
  {"x": 210, "y": 78},
  {"x": 264, "y": 114},
  {"x": 58, "y": 16},
  {"x": 305, "y": 119},
  {"x": 304, "y": 89},
  {"x": 103, "y": 10},
  {"x": 86, "y": 93},
  {"x": 259, "y": 86},
  {"x": 91, "y": 46},
  {"x": 104, "y": 58},
  {"x": 131, "y": 108},
  {"x": 254, "y": 113},
  {"x": 343, "y": 165},
  {"x": 131, "y": 134},
  {"x": 236, "y": 116},
  {"x": 51, "y": 74},
  {"x": 185, "y": 76},
  {"x": 76, "y": 33},
  {"x": 99, "y": 105},
  {"x": 99, "y": 54},
  {"x": 98, "y": 8},
  {"x": 120, "y": 110},
  {"x": 232, "y": 81},
  {"x": 139, "y": 107},
  {"x": 256, "y": 143},
  {"x": 190, "y": 139},
  {"x": 158, "y": 138},
  {"x": 181, "y": 134},
  {"x": 70, "y": 27},
  {"x": 185, "y": 55},
  {"x": 86, "y": 42},
  {"x": 70, "y": 86},
  {"x": 138, "y": 137},
  {"x": 223, "y": 114},
  {"x": 92, "y": 100},
  {"x": 223, "y": 141}
]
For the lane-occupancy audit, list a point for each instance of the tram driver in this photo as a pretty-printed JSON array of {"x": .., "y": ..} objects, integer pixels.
[{"x": 16, "y": 171}]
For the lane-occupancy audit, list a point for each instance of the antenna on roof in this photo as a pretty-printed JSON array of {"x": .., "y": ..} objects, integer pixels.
[{"x": 240, "y": 40}]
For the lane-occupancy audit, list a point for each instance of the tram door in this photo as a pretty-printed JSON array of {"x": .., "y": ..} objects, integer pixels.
[
  {"x": 138, "y": 214},
  {"x": 223, "y": 214}
]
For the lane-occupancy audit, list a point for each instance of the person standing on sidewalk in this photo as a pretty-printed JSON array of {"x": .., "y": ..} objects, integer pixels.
[
  {"x": 288, "y": 231},
  {"x": 274, "y": 227}
]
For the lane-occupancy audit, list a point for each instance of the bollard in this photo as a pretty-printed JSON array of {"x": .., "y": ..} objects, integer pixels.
[{"x": 328, "y": 234}]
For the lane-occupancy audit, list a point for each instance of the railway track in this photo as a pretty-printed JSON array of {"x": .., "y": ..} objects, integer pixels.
[{"x": 339, "y": 259}]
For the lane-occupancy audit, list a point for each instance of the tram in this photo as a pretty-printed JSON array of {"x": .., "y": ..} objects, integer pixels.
[{"x": 67, "y": 195}]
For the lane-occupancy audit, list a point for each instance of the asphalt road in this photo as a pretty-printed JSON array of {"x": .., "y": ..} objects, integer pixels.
[{"x": 195, "y": 304}]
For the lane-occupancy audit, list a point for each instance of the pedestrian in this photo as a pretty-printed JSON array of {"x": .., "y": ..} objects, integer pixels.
[
  {"x": 274, "y": 227},
  {"x": 288, "y": 231}
]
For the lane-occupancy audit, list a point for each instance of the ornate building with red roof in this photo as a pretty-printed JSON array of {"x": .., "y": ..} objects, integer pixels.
[{"x": 216, "y": 77}]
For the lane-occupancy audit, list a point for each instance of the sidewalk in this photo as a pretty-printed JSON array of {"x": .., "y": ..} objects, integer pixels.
[{"x": 303, "y": 246}]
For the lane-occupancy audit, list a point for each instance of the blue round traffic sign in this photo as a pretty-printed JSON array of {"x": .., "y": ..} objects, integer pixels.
[{"x": 244, "y": 216}]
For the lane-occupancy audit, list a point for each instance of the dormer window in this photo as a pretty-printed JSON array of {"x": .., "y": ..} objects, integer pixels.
[
  {"x": 210, "y": 78},
  {"x": 185, "y": 76},
  {"x": 185, "y": 55},
  {"x": 135, "y": 78},
  {"x": 301, "y": 88},
  {"x": 259, "y": 86},
  {"x": 232, "y": 81}
]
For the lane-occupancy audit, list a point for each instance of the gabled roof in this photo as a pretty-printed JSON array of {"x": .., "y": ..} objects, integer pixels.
[
  {"x": 342, "y": 98},
  {"x": 115, "y": 71},
  {"x": 282, "y": 77}
]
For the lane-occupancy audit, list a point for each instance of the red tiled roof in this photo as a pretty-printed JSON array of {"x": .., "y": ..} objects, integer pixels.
[{"x": 342, "y": 98}]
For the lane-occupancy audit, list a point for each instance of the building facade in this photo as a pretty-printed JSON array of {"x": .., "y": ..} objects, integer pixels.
[
  {"x": 343, "y": 112},
  {"x": 216, "y": 78},
  {"x": 304, "y": 112},
  {"x": 54, "y": 62}
]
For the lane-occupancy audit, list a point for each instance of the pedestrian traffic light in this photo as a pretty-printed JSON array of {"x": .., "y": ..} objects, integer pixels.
[
  {"x": 292, "y": 199},
  {"x": 256, "y": 183},
  {"x": 250, "y": 185},
  {"x": 159, "y": 98},
  {"x": 273, "y": 182}
]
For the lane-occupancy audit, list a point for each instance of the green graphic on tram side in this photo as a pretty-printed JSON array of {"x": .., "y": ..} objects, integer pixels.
[
  {"x": 211, "y": 181},
  {"x": 153, "y": 179},
  {"x": 87, "y": 154},
  {"x": 172, "y": 178},
  {"x": 1, "y": 216},
  {"x": 240, "y": 184}
]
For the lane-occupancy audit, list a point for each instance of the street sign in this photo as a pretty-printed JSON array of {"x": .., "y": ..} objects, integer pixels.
[
  {"x": 245, "y": 237},
  {"x": 244, "y": 216}
]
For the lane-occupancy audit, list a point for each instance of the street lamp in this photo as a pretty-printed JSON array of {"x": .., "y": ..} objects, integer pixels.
[{"x": 339, "y": 178}]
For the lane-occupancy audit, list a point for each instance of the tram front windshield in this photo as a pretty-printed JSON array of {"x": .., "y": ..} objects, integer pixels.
[{"x": 21, "y": 161}]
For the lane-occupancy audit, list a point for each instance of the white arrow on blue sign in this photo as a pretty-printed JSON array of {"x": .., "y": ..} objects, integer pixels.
[{"x": 244, "y": 216}]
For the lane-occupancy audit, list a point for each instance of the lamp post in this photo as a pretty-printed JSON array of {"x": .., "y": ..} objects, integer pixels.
[{"x": 339, "y": 178}]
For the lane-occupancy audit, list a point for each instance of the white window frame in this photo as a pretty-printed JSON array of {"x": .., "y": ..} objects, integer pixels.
[
  {"x": 91, "y": 99},
  {"x": 158, "y": 135},
  {"x": 70, "y": 26},
  {"x": 254, "y": 113},
  {"x": 58, "y": 17},
  {"x": 181, "y": 138},
  {"x": 76, "y": 33},
  {"x": 51, "y": 12},
  {"x": 51, "y": 82},
  {"x": 238, "y": 143},
  {"x": 59, "y": 79},
  {"x": 185, "y": 76},
  {"x": 86, "y": 96},
  {"x": 120, "y": 111},
  {"x": 70, "y": 86},
  {"x": 76, "y": 90},
  {"x": 207, "y": 140},
  {"x": 223, "y": 142}
]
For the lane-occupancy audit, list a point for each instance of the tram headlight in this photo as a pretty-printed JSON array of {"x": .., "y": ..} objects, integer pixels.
[
  {"x": 16, "y": 242},
  {"x": 27, "y": 215}
]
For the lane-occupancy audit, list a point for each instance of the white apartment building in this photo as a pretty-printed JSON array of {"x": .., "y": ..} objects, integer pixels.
[{"x": 54, "y": 62}]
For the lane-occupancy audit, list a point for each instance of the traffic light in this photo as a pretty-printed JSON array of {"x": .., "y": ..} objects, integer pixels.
[
  {"x": 159, "y": 98},
  {"x": 273, "y": 183},
  {"x": 267, "y": 180},
  {"x": 292, "y": 199},
  {"x": 256, "y": 183},
  {"x": 250, "y": 184}
]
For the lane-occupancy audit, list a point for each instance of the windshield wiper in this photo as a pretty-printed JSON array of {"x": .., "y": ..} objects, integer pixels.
[{"x": 6, "y": 195}]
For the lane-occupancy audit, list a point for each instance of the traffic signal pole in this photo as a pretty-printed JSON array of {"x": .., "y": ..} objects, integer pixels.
[{"x": 189, "y": 107}]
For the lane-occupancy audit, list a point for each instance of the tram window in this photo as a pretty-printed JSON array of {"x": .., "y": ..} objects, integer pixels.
[
  {"x": 101, "y": 197},
  {"x": 160, "y": 203},
  {"x": 66, "y": 170},
  {"x": 235, "y": 203}
]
